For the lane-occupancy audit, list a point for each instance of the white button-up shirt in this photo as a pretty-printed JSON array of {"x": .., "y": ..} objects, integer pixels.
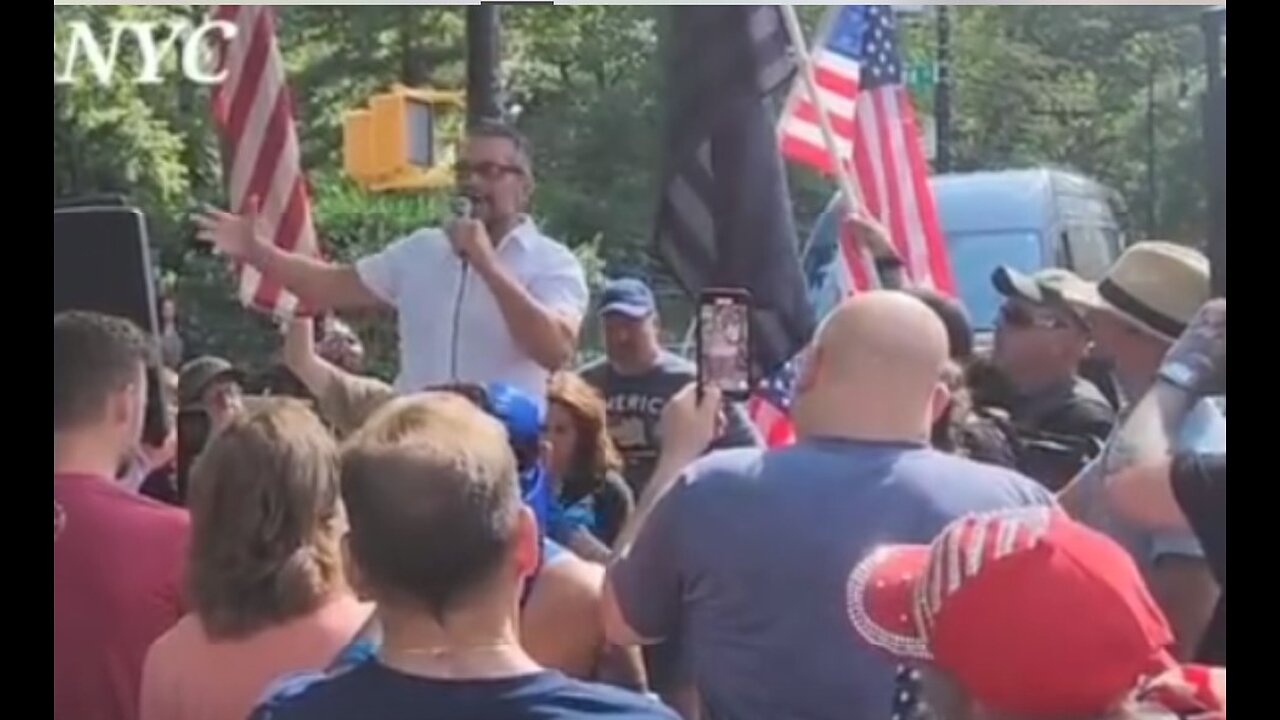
[{"x": 451, "y": 328}]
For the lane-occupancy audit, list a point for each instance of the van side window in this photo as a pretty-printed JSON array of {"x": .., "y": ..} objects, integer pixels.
[
  {"x": 1092, "y": 239},
  {"x": 1091, "y": 249}
]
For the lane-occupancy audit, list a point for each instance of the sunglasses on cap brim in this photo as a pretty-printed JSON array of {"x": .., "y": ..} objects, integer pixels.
[{"x": 1019, "y": 316}]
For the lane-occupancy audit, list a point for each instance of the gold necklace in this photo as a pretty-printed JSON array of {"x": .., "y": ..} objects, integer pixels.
[{"x": 441, "y": 650}]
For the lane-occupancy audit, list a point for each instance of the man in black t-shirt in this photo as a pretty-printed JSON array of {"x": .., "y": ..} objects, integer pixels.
[
  {"x": 441, "y": 540},
  {"x": 1062, "y": 420}
]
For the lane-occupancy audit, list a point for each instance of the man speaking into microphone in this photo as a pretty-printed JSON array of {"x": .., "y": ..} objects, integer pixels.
[{"x": 486, "y": 298}]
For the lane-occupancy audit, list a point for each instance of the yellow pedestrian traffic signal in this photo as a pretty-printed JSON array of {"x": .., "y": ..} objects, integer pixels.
[{"x": 400, "y": 142}]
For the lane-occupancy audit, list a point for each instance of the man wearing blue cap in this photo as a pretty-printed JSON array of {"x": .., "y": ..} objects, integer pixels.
[{"x": 637, "y": 377}]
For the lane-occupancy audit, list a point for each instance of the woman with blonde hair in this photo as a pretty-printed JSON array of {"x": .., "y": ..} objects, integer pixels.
[
  {"x": 583, "y": 462},
  {"x": 264, "y": 573}
]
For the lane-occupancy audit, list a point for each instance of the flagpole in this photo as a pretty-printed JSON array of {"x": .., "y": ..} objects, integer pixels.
[{"x": 845, "y": 181}]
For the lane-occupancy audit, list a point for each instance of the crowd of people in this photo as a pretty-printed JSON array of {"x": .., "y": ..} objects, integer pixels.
[{"x": 954, "y": 534}]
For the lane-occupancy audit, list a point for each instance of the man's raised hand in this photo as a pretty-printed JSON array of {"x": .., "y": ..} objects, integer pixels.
[
  {"x": 229, "y": 234},
  {"x": 471, "y": 242},
  {"x": 1202, "y": 348},
  {"x": 871, "y": 234}
]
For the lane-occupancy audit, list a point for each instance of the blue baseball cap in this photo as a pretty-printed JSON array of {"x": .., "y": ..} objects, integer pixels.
[
  {"x": 521, "y": 415},
  {"x": 629, "y": 297},
  {"x": 518, "y": 411}
]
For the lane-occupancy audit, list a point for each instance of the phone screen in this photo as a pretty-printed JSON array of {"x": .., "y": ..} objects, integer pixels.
[{"x": 724, "y": 357}]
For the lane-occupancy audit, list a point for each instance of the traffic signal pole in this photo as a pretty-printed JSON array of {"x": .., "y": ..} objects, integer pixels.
[
  {"x": 942, "y": 91},
  {"x": 1214, "y": 26},
  {"x": 484, "y": 90}
]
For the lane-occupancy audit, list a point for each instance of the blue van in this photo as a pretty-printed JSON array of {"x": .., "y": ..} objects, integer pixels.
[{"x": 1028, "y": 219}]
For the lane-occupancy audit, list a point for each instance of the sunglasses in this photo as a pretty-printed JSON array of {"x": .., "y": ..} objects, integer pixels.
[
  {"x": 1018, "y": 316},
  {"x": 487, "y": 170}
]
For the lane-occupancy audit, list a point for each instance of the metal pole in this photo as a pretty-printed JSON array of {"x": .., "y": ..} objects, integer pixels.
[
  {"x": 484, "y": 90},
  {"x": 1151, "y": 150},
  {"x": 1213, "y": 23},
  {"x": 942, "y": 91}
]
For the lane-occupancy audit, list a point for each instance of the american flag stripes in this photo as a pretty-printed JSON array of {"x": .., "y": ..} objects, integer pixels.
[
  {"x": 859, "y": 71},
  {"x": 253, "y": 112},
  {"x": 837, "y": 70}
]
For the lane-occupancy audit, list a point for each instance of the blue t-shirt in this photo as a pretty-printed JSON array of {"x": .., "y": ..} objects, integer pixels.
[
  {"x": 748, "y": 556},
  {"x": 371, "y": 691}
]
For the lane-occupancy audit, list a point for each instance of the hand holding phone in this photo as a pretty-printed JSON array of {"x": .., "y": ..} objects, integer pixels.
[
  {"x": 691, "y": 421},
  {"x": 724, "y": 342}
]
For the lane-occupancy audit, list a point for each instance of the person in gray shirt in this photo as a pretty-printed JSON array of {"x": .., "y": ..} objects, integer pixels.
[
  {"x": 637, "y": 377},
  {"x": 1146, "y": 300},
  {"x": 745, "y": 554}
]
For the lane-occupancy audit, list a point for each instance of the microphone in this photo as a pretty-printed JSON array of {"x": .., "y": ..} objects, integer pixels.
[{"x": 462, "y": 208}]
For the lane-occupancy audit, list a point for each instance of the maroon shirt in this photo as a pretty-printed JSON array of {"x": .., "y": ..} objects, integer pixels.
[{"x": 117, "y": 578}]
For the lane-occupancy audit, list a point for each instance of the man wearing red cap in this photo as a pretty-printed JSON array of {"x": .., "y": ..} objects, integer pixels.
[{"x": 1025, "y": 614}]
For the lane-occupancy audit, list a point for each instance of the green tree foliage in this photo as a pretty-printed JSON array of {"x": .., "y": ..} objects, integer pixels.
[{"x": 1071, "y": 86}]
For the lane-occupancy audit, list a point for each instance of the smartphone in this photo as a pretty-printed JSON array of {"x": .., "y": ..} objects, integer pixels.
[
  {"x": 724, "y": 341},
  {"x": 193, "y": 434}
]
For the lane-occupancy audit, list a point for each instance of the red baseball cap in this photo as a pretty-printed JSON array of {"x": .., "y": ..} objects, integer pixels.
[{"x": 1030, "y": 612}]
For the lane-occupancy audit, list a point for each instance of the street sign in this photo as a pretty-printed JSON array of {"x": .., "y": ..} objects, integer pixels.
[
  {"x": 920, "y": 75},
  {"x": 912, "y": 10}
]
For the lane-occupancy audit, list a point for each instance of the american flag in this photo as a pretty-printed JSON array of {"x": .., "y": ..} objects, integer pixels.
[
  {"x": 253, "y": 111},
  {"x": 770, "y": 407},
  {"x": 859, "y": 74},
  {"x": 907, "y": 703}
]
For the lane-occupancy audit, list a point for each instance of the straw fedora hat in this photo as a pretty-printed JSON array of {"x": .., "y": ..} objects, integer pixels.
[{"x": 1156, "y": 286}]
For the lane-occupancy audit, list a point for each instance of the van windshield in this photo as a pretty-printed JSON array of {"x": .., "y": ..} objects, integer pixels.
[{"x": 975, "y": 256}]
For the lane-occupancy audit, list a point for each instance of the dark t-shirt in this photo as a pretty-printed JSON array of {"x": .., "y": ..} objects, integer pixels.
[
  {"x": 1060, "y": 430},
  {"x": 1200, "y": 486},
  {"x": 161, "y": 485},
  {"x": 634, "y": 404},
  {"x": 371, "y": 691},
  {"x": 606, "y": 508}
]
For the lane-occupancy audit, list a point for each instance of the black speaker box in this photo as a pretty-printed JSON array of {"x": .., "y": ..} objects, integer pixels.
[{"x": 102, "y": 263}]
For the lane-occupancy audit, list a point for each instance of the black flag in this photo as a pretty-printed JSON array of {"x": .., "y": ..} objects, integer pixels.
[{"x": 724, "y": 219}]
